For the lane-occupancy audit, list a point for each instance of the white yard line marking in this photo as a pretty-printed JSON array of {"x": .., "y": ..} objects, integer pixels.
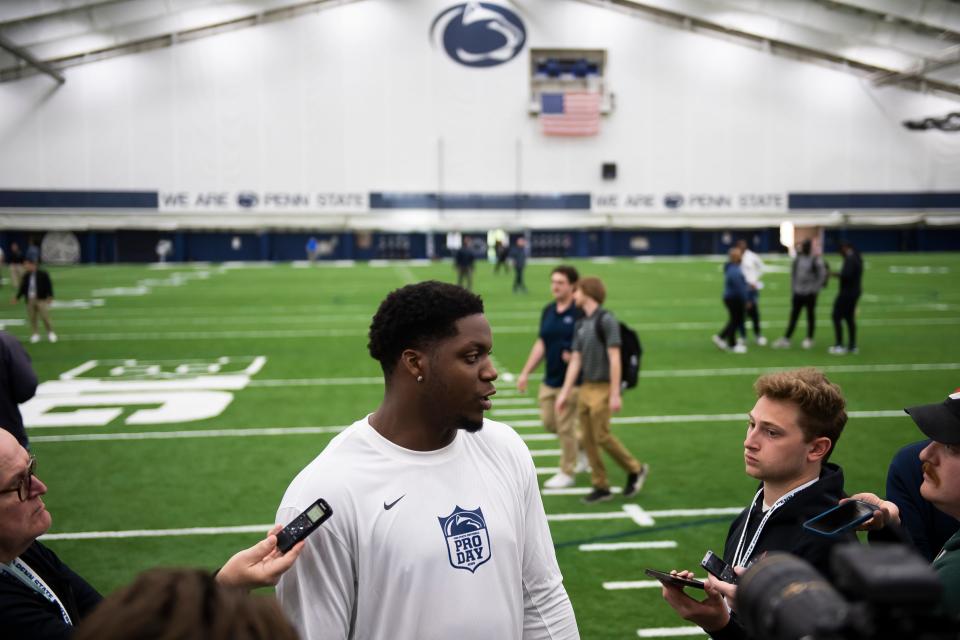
[
  {"x": 157, "y": 533},
  {"x": 692, "y": 513},
  {"x": 634, "y": 584},
  {"x": 542, "y": 471},
  {"x": 262, "y": 528},
  {"x": 703, "y": 417},
  {"x": 545, "y": 452},
  {"x": 533, "y": 411},
  {"x": 638, "y": 515},
  {"x": 292, "y": 431},
  {"x": 625, "y": 546},
  {"x": 80, "y": 370},
  {"x": 504, "y": 374},
  {"x": 624, "y": 515},
  {"x": 508, "y": 391},
  {"x": 671, "y": 632},
  {"x": 598, "y": 515},
  {"x": 637, "y": 584},
  {"x": 319, "y": 382},
  {"x": 361, "y": 333},
  {"x": 839, "y": 368},
  {"x": 200, "y": 433},
  {"x": 537, "y": 436},
  {"x": 497, "y": 401},
  {"x": 574, "y": 491}
]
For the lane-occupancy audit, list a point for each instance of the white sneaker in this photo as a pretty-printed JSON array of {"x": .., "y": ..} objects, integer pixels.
[
  {"x": 559, "y": 481},
  {"x": 583, "y": 465},
  {"x": 761, "y": 341},
  {"x": 837, "y": 350},
  {"x": 52, "y": 337},
  {"x": 807, "y": 343},
  {"x": 781, "y": 343},
  {"x": 740, "y": 348},
  {"x": 35, "y": 338},
  {"x": 720, "y": 342}
]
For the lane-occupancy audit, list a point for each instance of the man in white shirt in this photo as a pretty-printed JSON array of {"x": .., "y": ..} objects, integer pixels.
[
  {"x": 438, "y": 529},
  {"x": 752, "y": 267}
]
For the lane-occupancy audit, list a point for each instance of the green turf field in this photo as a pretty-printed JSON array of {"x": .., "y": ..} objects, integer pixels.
[{"x": 127, "y": 329}]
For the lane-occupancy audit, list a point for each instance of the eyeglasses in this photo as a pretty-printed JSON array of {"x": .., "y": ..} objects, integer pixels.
[{"x": 25, "y": 485}]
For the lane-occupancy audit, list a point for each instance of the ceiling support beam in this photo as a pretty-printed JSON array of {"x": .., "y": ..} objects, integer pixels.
[
  {"x": 27, "y": 57},
  {"x": 689, "y": 22},
  {"x": 168, "y": 39}
]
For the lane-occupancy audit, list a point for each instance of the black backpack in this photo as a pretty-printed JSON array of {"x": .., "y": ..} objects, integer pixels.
[{"x": 631, "y": 351}]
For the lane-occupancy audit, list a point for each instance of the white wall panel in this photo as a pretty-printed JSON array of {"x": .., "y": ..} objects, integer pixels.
[{"x": 356, "y": 98}]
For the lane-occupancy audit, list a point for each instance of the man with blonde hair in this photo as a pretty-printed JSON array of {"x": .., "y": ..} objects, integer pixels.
[
  {"x": 791, "y": 432},
  {"x": 596, "y": 353}
]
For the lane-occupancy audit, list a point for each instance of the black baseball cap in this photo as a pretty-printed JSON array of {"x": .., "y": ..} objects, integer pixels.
[{"x": 940, "y": 421}]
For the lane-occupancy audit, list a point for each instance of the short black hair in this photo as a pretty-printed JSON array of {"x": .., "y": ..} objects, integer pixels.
[
  {"x": 417, "y": 315},
  {"x": 566, "y": 270}
]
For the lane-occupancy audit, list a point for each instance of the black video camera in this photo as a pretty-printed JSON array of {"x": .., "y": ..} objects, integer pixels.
[{"x": 880, "y": 592}]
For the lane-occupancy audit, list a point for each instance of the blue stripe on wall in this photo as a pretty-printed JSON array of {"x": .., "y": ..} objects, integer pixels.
[
  {"x": 380, "y": 200},
  {"x": 79, "y": 199},
  {"x": 479, "y": 201},
  {"x": 919, "y": 200}
]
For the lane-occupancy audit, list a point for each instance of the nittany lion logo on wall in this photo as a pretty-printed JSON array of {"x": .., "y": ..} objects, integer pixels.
[
  {"x": 479, "y": 34},
  {"x": 468, "y": 544}
]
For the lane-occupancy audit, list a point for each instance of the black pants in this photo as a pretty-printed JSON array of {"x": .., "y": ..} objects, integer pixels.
[
  {"x": 734, "y": 321},
  {"x": 808, "y": 302},
  {"x": 752, "y": 312},
  {"x": 844, "y": 309},
  {"x": 518, "y": 284}
]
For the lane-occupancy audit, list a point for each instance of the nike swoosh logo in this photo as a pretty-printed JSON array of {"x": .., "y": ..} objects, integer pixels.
[{"x": 387, "y": 507}]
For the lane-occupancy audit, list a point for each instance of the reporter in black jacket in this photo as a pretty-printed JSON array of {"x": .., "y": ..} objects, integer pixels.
[
  {"x": 41, "y": 598},
  {"x": 792, "y": 430},
  {"x": 37, "y": 289}
]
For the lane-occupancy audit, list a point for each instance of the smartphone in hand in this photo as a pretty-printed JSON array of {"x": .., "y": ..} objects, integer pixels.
[
  {"x": 719, "y": 569},
  {"x": 840, "y": 518},
  {"x": 677, "y": 581}
]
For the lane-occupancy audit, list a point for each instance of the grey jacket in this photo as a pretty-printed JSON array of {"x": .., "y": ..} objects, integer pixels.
[{"x": 809, "y": 275}]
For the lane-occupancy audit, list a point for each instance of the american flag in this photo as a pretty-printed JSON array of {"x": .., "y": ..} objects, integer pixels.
[{"x": 571, "y": 113}]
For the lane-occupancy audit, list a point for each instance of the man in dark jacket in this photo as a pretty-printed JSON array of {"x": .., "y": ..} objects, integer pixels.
[
  {"x": 41, "y": 598},
  {"x": 37, "y": 289},
  {"x": 463, "y": 260},
  {"x": 845, "y": 305},
  {"x": 792, "y": 430},
  {"x": 18, "y": 383},
  {"x": 940, "y": 487}
]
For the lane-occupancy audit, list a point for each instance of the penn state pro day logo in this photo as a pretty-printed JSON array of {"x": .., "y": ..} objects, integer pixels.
[
  {"x": 468, "y": 543},
  {"x": 478, "y": 34}
]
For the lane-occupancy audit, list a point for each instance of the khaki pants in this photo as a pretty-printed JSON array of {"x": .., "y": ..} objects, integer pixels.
[
  {"x": 593, "y": 410},
  {"x": 16, "y": 275},
  {"x": 40, "y": 308},
  {"x": 564, "y": 425}
]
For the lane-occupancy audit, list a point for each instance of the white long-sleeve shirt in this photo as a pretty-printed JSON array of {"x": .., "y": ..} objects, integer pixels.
[
  {"x": 443, "y": 544},
  {"x": 752, "y": 267}
]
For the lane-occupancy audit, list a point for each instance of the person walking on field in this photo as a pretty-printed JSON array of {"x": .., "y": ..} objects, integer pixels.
[
  {"x": 845, "y": 305},
  {"x": 37, "y": 289},
  {"x": 599, "y": 361},
  {"x": 808, "y": 277},
  {"x": 735, "y": 298},
  {"x": 15, "y": 260},
  {"x": 752, "y": 267},
  {"x": 554, "y": 343},
  {"x": 519, "y": 255}
]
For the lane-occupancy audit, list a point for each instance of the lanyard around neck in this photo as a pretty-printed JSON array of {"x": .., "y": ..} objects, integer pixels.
[
  {"x": 22, "y": 572},
  {"x": 741, "y": 556}
]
